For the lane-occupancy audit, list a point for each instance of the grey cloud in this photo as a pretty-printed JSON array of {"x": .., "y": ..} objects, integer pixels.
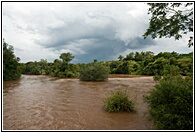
[
  {"x": 106, "y": 49},
  {"x": 72, "y": 32},
  {"x": 88, "y": 42},
  {"x": 88, "y": 30},
  {"x": 140, "y": 42}
]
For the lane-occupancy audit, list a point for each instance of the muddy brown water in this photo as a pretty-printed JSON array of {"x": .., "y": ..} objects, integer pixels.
[{"x": 48, "y": 103}]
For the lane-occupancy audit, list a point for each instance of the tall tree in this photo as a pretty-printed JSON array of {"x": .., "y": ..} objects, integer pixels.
[
  {"x": 120, "y": 57},
  {"x": 11, "y": 69},
  {"x": 138, "y": 56},
  {"x": 66, "y": 57},
  {"x": 170, "y": 20},
  {"x": 130, "y": 56}
]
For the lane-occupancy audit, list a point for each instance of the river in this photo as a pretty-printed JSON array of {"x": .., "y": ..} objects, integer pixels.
[{"x": 48, "y": 103}]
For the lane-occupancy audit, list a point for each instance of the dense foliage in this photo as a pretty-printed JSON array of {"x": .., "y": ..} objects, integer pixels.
[
  {"x": 94, "y": 72},
  {"x": 145, "y": 63},
  {"x": 119, "y": 101},
  {"x": 171, "y": 103},
  {"x": 11, "y": 67},
  {"x": 170, "y": 20},
  {"x": 59, "y": 68}
]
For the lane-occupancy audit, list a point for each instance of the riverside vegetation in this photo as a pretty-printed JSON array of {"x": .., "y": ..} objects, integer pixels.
[
  {"x": 143, "y": 63},
  {"x": 11, "y": 66},
  {"x": 170, "y": 102}
]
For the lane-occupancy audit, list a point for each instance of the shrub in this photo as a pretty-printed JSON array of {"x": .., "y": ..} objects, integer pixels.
[
  {"x": 119, "y": 101},
  {"x": 94, "y": 72},
  {"x": 71, "y": 75},
  {"x": 171, "y": 104},
  {"x": 170, "y": 70},
  {"x": 157, "y": 77}
]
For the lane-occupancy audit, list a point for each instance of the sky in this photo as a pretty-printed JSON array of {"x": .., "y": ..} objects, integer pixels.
[{"x": 88, "y": 30}]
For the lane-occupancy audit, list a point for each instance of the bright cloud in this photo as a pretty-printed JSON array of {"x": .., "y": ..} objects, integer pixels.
[{"x": 89, "y": 30}]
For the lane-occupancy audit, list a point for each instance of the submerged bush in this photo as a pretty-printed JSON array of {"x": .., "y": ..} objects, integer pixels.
[
  {"x": 171, "y": 104},
  {"x": 119, "y": 101},
  {"x": 94, "y": 72}
]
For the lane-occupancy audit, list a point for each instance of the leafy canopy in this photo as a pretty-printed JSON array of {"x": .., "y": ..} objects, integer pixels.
[
  {"x": 66, "y": 57},
  {"x": 170, "y": 20}
]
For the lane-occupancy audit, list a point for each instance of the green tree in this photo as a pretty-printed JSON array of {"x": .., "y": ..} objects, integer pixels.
[
  {"x": 66, "y": 57},
  {"x": 44, "y": 66},
  {"x": 123, "y": 68},
  {"x": 155, "y": 67},
  {"x": 130, "y": 56},
  {"x": 170, "y": 70},
  {"x": 148, "y": 54},
  {"x": 148, "y": 57},
  {"x": 11, "y": 67},
  {"x": 186, "y": 65},
  {"x": 171, "y": 103},
  {"x": 170, "y": 20},
  {"x": 138, "y": 56},
  {"x": 32, "y": 68},
  {"x": 94, "y": 72},
  {"x": 56, "y": 67},
  {"x": 120, "y": 57},
  {"x": 62, "y": 68},
  {"x": 113, "y": 66}
]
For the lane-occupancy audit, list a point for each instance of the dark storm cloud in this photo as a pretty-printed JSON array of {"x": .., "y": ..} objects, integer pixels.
[
  {"x": 88, "y": 40},
  {"x": 87, "y": 30},
  {"x": 73, "y": 31},
  {"x": 108, "y": 48},
  {"x": 104, "y": 51},
  {"x": 139, "y": 42},
  {"x": 90, "y": 47}
]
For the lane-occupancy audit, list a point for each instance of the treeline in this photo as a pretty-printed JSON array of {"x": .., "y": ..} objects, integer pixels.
[
  {"x": 145, "y": 63},
  {"x": 59, "y": 68}
]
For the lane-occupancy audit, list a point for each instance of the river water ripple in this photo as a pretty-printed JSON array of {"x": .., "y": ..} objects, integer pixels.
[{"x": 49, "y": 103}]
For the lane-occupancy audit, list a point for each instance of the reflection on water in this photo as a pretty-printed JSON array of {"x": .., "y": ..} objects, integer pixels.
[{"x": 48, "y": 103}]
